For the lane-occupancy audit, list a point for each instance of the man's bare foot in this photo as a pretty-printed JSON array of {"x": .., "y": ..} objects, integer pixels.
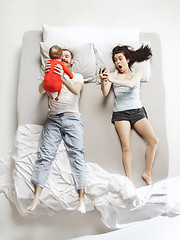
[
  {"x": 81, "y": 206},
  {"x": 33, "y": 205},
  {"x": 147, "y": 178}
]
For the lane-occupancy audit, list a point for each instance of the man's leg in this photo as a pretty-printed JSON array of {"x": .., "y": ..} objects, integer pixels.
[
  {"x": 81, "y": 206},
  {"x": 35, "y": 200},
  {"x": 48, "y": 144},
  {"x": 74, "y": 142}
]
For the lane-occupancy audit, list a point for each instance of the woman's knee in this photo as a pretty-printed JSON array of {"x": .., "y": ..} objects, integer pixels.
[
  {"x": 126, "y": 147},
  {"x": 153, "y": 141}
]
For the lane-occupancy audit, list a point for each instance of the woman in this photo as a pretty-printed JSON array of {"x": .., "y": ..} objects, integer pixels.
[{"x": 128, "y": 111}]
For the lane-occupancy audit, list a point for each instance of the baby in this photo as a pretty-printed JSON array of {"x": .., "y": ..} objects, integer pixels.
[{"x": 52, "y": 81}]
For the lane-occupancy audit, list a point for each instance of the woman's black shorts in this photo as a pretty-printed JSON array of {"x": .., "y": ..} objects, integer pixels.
[{"x": 132, "y": 115}]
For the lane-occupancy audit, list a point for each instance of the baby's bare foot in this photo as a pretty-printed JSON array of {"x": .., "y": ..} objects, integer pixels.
[
  {"x": 147, "y": 178},
  {"x": 57, "y": 98}
]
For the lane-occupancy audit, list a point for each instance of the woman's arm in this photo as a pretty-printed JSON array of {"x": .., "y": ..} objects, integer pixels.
[
  {"x": 105, "y": 84},
  {"x": 127, "y": 83}
]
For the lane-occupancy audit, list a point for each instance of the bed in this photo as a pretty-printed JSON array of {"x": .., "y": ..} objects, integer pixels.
[
  {"x": 109, "y": 206},
  {"x": 96, "y": 111}
]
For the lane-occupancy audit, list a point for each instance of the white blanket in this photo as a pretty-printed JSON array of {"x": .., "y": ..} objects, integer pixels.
[{"x": 112, "y": 194}]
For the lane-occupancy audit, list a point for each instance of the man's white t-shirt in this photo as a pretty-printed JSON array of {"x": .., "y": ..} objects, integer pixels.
[{"x": 68, "y": 102}]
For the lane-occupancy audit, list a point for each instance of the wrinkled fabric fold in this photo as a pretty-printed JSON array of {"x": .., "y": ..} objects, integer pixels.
[{"x": 119, "y": 203}]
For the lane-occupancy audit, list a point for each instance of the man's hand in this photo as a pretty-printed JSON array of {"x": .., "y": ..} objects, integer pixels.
[
  {"x": 47, "y": 67},
  {"x": 59, "y": 70}
]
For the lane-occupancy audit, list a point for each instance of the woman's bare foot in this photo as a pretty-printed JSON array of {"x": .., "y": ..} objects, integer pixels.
[
  {"x": 147, "y": 178},
  {"x": 81, "y": 206},
  {"x": 132, "y": 181},
  {"x": 33, "y": 204}
]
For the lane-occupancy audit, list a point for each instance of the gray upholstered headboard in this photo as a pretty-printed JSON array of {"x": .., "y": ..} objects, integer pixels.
[{"x": 101, "y": 141}]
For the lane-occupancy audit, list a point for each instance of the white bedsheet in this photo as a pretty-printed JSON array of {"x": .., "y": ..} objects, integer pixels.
[{"x": 113, "y": 195}]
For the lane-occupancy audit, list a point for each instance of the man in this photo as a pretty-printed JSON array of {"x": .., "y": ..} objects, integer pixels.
[{"x": 63, "y": 122}]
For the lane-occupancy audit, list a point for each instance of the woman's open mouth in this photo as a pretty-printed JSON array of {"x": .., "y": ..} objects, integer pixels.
[{"x": 120, "y": 67}]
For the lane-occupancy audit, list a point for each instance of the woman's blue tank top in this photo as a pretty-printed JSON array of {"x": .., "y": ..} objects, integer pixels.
[{"x": 126, "y": 98}]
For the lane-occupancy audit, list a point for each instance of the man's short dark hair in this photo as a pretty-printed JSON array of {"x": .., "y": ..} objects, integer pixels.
[{"x": 68, "y": 51}]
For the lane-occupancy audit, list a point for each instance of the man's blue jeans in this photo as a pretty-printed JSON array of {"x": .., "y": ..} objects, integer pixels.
[{"x": 69, "y": 127}]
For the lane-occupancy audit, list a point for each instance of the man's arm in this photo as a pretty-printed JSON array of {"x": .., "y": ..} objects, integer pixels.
[
  {"x": 75, "y": 88},
  {"x": 41, "y": 88},
  {"x": 42, "y": 91}
]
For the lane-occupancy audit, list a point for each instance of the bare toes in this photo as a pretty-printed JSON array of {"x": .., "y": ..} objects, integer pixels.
[{"x": 147, "y": 178}]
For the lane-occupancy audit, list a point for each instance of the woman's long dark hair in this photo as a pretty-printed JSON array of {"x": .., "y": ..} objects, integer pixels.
[{"x": 141, "y": 54}]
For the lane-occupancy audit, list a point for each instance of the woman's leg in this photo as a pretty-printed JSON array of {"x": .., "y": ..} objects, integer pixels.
[
  {"x": 144, "y": 128},
  {"x": 123, "y": 129}
]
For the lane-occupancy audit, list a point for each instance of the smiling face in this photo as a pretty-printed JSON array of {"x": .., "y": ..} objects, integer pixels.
[
  {"x": 121, "y": 62},
  {"x": 67, "y": 58}
]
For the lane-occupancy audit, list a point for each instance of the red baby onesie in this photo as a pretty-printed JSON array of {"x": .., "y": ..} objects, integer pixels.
[{"x": 52, "y": 81}]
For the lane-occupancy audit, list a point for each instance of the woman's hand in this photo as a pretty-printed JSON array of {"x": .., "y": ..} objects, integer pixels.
[
  {"x": 104, "y": 76},
  {"x": 105, "y": 83}
]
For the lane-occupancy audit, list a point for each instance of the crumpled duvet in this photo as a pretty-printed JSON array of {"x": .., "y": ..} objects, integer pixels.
[{"x": 113, "y": 195}]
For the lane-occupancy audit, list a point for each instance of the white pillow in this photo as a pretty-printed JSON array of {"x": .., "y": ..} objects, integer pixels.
[
  {"x": 103, "y": 39},
  {"x": 78, "y": 35},
  {"x": 104, "y": 58},
  {"x": 84, "y": 59}
]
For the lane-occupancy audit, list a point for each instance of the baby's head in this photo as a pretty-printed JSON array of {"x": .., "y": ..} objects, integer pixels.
[{"x": 55, "y": 52}]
